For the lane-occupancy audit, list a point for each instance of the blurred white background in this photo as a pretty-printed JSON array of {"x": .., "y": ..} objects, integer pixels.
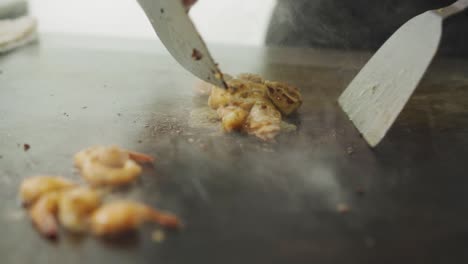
[{"x": 241, "y": 22}]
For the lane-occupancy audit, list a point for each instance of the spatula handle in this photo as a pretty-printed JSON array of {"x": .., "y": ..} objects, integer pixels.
[{"x": 453, "y": 9}]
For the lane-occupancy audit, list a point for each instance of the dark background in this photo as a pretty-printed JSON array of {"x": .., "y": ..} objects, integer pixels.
[{"x": 359, "y": 24}]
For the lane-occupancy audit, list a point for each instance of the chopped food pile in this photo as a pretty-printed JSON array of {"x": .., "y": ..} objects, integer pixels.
[
  {"x": 54, "y": 200},
  {"x": 254, "y": 105}
]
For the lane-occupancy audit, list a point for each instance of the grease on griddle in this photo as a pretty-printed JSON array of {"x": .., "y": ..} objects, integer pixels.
[{"x": 203, "y": 117}]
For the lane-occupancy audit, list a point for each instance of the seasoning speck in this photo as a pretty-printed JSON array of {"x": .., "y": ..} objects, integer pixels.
[
  {"x": 119, "y": 114},
  {"x": 84, "y": 107},
  {"x": 196, "y": 55},
  {"x": 342, "y": 208},
  {"x": 26, "y": 147},
  {"x": 158, "y": 236},
  {"x": 139, "y": 141}
]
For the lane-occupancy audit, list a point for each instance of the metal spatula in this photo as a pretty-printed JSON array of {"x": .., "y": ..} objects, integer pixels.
[
  {"x": 381, "y": 89},
  {"x": 178, "y": 34}
]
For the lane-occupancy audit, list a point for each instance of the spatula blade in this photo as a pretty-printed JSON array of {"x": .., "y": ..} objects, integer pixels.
[
  {"x": 378, "y": 93},
  {"x": 174, "y": 27}
]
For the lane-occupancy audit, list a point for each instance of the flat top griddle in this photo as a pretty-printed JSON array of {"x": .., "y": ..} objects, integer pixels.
[{"x": 243, "y": 201}]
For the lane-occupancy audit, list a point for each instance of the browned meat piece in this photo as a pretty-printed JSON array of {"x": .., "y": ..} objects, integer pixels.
[{"x": 286, "y": 97}]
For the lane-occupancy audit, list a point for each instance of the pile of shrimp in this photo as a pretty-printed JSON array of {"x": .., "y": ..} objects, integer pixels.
[{"x": 54, "y": 201}]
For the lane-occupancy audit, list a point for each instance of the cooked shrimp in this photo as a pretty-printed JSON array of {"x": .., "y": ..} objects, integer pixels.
[
  {"x": 232, "y": 117},
  {"x": 263, "y": 121},
  {"x": 75, "y": 207},
  {"x": 43, "y": 214},
  {"x": 112, "y": 165},
  {"x": 111, "y": 154},
  {"x": 32, "y": 188},
  {"x": 122, "y": 216}
]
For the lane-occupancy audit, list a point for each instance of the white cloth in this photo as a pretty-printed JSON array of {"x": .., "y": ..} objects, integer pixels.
[{"x": 17, "y": 32}]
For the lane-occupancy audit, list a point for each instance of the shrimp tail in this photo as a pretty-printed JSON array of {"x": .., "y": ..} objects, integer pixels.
[
  {"x": 165, "y": 219},
  {"x": 43, "y": 214},
  {"x": 47, "y": 226},
  {"x": 140, "y": 157}
]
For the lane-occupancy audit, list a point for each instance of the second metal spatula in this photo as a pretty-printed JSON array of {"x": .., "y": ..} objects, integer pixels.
[{"x": 381, "y": 89}]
